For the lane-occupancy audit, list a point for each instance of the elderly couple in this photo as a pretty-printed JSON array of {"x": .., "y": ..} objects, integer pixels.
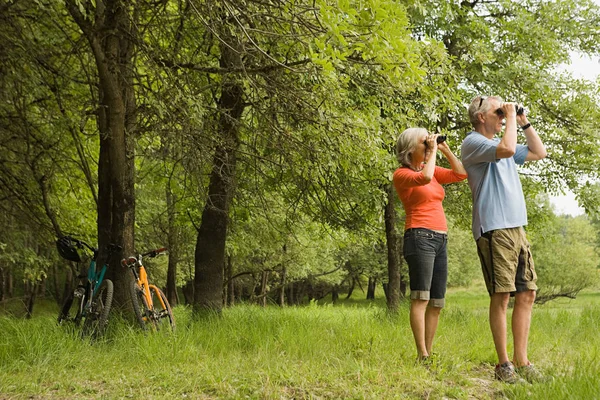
[{"x": 499, "y": 215}]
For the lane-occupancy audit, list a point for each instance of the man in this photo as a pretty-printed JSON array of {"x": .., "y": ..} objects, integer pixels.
[{"x": 499, "y": 214}]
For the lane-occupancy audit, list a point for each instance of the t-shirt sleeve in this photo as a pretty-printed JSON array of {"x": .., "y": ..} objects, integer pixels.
[
  {"x": 445, "y": 175},
  {"x": 477, "y": 149},
  {"x": 520, "y": 154},
  {"x": 407, "y": 178}
]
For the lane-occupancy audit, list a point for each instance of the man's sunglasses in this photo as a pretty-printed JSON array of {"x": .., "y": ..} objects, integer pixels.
[{"x": 520, "y": 110}]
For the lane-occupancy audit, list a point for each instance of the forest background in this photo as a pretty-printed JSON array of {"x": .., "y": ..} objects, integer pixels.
[{"x": 255, "y": 140}]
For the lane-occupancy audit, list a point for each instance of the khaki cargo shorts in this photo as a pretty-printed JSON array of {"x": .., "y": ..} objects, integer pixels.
[{"x": 506, "y": 261}]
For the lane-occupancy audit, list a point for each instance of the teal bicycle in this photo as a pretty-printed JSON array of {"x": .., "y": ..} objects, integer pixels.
[{"x": 91, "y": 300}]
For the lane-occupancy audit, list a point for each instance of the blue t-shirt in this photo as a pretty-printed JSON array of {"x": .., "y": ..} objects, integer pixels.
[{"x": 498, "y": 200}]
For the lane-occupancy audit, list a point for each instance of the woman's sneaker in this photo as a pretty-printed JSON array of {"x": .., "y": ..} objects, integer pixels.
[{"x": 506, "y": 373}]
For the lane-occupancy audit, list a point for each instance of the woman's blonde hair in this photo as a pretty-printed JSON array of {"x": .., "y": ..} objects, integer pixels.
[{"x": 406, "y": 145}]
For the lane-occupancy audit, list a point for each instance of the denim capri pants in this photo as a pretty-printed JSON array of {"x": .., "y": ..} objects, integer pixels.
[{"x": 425, "y": 251}]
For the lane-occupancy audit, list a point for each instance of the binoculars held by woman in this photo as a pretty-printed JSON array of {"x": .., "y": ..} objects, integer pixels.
[{"x": 439, "y": 139}]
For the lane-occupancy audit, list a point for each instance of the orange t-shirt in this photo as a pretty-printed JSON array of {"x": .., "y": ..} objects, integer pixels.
[{"x": 423, "y": 201}]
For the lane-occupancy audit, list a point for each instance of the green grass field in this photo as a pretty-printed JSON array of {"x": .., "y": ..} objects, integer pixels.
[{"x": 352, "y": 350}]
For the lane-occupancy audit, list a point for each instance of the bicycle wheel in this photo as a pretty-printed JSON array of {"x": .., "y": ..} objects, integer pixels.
[
  {"x": 162, "y": 309},
  {"x": 96, "y": 318},
  {"x": 140, "y": 306}
]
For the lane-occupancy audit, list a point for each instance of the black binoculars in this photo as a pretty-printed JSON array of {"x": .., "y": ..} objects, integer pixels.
[
  {"x": 439, "y": 139},
  {"x": 518, "y": 108}
]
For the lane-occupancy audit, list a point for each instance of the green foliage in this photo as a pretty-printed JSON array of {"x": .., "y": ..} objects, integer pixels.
[
  {"x": 25, "y": 257},
  {"x": 565, "y": 256},
  {"x": 514, "y": 49},
  {"x": 268, "y": 240},
  {"x": 327, "y": 87},
  {"x": 463, "y": 261}
]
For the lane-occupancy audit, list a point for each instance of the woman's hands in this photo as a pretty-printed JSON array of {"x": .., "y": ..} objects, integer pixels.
[
  {"x": 444, "y": 148},
  {"x": 431, "y": 145},
  {"x": 455, "y": 163}
]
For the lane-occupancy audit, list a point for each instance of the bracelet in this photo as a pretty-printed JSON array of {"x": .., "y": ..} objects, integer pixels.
[{"x": 525, "y": 126}]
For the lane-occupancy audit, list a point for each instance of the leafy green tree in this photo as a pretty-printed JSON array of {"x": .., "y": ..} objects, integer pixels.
[
  {"x": 44, "y": 168},
  {"x": 565, "y": 258},
  {"x": 109, "y": 28},
  {"x": 463, "y": 261},
  {"x": 280, "y": 81},
  {"x": 514, "y": 49}
]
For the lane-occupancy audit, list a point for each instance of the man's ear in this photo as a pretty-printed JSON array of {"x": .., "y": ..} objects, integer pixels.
[{"x": 480, "y": 118}]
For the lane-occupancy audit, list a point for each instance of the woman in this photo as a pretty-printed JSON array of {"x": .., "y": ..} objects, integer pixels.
[{"x": 418, "y": 184}]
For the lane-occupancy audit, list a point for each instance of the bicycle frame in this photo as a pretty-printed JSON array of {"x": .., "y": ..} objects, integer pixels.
[
  {"x": 141, "y": 277},
  {"x": 142, "y": 280},
  {"x": 147, "y": 310},
  {"x": 93, "y": 295},
  {"x": 94, "y": 280}
]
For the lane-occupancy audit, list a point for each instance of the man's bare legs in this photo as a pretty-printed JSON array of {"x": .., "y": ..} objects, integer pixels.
[
  {"x": 521, "y": 322},
  {"x": 498, "y": 306},
  {"x": 423, "y": 322}
]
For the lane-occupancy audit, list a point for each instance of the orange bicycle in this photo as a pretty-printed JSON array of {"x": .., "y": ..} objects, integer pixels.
[{"x": 150, "y": 304}]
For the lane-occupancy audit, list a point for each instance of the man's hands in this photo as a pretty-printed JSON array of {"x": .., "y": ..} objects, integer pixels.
[
  {"x": 509, "y": 111},
  {"x": 522, "y": 119}
]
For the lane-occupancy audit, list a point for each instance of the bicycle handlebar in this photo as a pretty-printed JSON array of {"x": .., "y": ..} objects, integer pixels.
[
  {"x": 154, "y": 253},
  {"x": 134, "y": 261},
  {"x": 81, "y": 244},
  {"x": 129, "y": 262}
]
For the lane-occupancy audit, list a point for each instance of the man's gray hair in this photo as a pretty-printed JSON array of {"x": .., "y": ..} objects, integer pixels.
[{"x": 479, "y": 106}]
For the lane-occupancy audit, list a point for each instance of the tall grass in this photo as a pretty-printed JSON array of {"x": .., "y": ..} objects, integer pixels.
[{"x": 348, "y": 351}]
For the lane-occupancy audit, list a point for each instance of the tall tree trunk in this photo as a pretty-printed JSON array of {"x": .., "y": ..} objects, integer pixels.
[
  {"x": 212, "y": 233},
  {"x": 2, "y": 284},
  {"x": 230, "y": 287},
  {"x": 69, "y": 285},
  {"x": 352, "y": 285},
  {"x": 300, "y": 291},
  {"x": 110, "y": 37},
  {"x": 42, "y": 182},
  {"x": 173, "y": 245},
  {"x": 393, "y": 289},
  {"x": 31, "y": 291},
  {"x": 371, "y": 288},
  {"x": 335, "y": 294},
  {"x": 399, "y": 252},
  {"x": 290, "y": 294},
  {"x": 9, "y": 284},
  {"x": 56, "y": 283},
  {"x": 263, "y": 288},
  {"x": 281, "y": 296}
]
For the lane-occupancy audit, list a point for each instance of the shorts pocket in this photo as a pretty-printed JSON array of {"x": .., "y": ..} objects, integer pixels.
[
  {"x": 484, "y": 252},
  {"x": 529, "y": 270},
  {"x": 502, "y": 239},
  {"x": 409, "y": 248}
]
